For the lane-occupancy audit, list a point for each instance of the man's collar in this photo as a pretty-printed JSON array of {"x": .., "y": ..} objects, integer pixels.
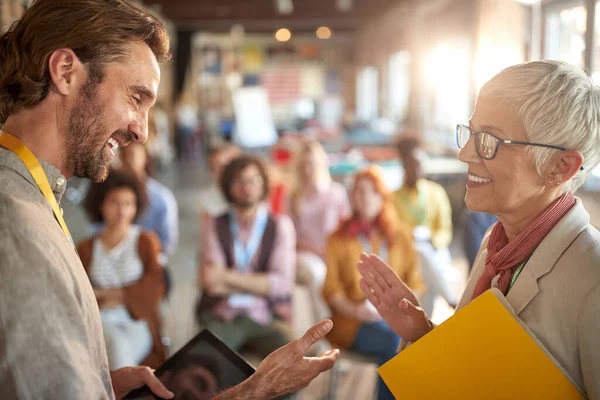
[
  {"x": 57, "y": 181},
  {"x": 249, "y": 223}
]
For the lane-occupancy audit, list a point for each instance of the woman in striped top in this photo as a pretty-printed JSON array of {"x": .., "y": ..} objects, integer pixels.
[{"x": 122, "y": 263}]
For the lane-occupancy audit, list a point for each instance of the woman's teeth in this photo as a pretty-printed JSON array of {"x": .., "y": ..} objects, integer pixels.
[{"x": 479, "y": 179}]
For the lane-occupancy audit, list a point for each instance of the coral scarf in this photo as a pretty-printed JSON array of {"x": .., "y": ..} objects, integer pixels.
[
  {"x": 503, "y": 257},
  {"x": 357, "y": 227}
]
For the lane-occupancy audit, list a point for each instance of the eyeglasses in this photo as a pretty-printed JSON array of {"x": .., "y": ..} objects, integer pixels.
[
  {"x": 253, "y": 180},
  {"x": 487, "y": 144}
]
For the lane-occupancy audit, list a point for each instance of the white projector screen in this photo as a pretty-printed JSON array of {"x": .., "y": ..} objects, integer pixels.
[{"x": 254, "y": 122}]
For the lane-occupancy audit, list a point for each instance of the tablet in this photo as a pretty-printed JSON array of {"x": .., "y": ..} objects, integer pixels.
[{"x": 200, "y": 370}]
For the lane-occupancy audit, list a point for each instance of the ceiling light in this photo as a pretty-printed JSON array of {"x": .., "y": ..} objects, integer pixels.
[
  {"x": 323, "y": 32},
  {"x": 283, "y": 35},
  {"x": 344, "y": 5},
  {"x": 284, "y": 6}
]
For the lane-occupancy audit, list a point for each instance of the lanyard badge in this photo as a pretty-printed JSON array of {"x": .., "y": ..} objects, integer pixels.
[{"x": 39, "y": 176}]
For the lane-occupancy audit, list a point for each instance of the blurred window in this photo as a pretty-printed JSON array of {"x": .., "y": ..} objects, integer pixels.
[
  {"x": 367, "y": 94},
  {"x": 564, "y": 33},
  {"x": 448, "y": 89},
  {"x": 399, "y": 86},
  {"x": 596, "y": 46}
]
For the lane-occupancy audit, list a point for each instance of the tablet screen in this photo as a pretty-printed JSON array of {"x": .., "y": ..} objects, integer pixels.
[{"x": 200, "y": 370}]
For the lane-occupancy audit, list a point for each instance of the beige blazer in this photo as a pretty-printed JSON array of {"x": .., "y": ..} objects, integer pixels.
[{"x": 557, "y": 296}]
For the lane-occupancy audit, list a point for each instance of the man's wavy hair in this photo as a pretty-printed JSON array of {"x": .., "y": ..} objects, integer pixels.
[{"x": 96, "y": 30}]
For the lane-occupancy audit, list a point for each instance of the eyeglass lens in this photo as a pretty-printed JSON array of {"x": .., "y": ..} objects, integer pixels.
[{"x": 485, "y": 144}]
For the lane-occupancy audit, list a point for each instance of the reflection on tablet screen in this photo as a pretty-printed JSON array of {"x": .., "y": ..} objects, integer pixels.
[
  {"x": 200, "y": 370},
  {"x": 197, "y": 377}
]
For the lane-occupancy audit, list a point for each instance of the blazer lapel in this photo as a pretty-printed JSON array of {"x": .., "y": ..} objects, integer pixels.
[
  {"x": 478, "y": 269},
  {"x": 546, "y": 255}
]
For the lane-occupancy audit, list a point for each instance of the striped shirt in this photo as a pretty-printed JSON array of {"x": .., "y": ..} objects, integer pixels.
[{"x": 119, "y": 266}]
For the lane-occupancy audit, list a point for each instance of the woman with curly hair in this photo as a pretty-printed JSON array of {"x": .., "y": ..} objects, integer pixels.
[{"x": 122, "y": 263}]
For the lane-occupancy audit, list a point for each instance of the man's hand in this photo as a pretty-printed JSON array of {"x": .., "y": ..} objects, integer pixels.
[
  {"x": 286, "y": 370},
  {"x": 394, "y": 300},
  {"x": 126, "y": 379}
]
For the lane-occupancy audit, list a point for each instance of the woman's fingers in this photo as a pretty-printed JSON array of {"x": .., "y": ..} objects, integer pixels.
[
  {"x": 369, "y": 292},
  {"x": 382, "y": 270},
  {"x": 377, "y": 285}
]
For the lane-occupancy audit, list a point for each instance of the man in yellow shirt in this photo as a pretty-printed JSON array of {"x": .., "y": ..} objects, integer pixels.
[{"x": 425, "y": 207}]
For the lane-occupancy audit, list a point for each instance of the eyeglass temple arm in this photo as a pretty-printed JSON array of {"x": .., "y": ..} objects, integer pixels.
[{"x": 537, "y": 144}]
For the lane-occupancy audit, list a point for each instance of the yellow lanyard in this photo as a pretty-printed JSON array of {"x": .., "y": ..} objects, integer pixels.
[{"x": 35, "y": 169}]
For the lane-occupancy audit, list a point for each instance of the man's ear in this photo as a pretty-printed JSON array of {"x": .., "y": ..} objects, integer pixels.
[
  {"x": 566, "y": 165},
  {"x": 66, "y": 71}
]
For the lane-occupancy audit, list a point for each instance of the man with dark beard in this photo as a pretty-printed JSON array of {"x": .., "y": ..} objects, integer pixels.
[
  {"x": 248, "y": 266},
  {"x": 77, "y": 78}
]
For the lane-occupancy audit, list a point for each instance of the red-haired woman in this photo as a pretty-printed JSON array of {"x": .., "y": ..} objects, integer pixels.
[{"x": 373, "y": 228}]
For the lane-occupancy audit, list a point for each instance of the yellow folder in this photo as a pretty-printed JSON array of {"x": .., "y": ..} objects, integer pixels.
[{"x": 482, "y": 352}]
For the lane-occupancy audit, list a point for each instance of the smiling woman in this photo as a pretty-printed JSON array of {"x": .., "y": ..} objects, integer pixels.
[{"x": 534, "y": 127}]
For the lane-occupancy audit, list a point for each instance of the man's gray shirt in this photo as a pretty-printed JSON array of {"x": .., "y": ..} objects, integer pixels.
[{"x": 51, "y": 342}]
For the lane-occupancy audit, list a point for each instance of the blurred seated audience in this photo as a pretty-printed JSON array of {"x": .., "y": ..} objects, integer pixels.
[
  {"x": 280, "y": 182},
  {"x": 212, "y": 201},
  {"x": 476, "y": 225},
  {"x": 187, "y": 125},
  {"x": 159, "y": 137},
  {"x": 373, "y": 228},
  {"x": 248, "y": 264},
  {"x": 122, "y": 264},
  {"x": 277, "y": 197},
  {"x": 317, "y": 206},
  {"x": 425, "y": 207},
  {"x": 161, "y": 215}
]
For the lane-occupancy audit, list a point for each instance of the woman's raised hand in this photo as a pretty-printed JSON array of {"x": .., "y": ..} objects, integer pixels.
[{"x": 395, "y": 302}]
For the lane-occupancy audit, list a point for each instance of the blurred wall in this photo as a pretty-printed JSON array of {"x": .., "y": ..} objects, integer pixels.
[{"x": 467, "y": 41}]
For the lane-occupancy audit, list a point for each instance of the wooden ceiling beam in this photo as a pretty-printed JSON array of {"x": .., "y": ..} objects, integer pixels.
[
  {"x": 269, "y": 26},
  {"x": 261, "y": 15}
]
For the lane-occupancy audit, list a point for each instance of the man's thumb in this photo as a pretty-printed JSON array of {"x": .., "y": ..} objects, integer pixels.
[{"x": 315, "y": 333}]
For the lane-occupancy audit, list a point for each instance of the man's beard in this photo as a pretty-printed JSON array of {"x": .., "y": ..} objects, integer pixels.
[
  {"x": 245, "y": 204},
  {"x": 86, "y": 140}
]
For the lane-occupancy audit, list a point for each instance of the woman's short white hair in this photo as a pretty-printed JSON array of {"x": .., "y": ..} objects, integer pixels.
[{"x": 559, "y": 105}]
